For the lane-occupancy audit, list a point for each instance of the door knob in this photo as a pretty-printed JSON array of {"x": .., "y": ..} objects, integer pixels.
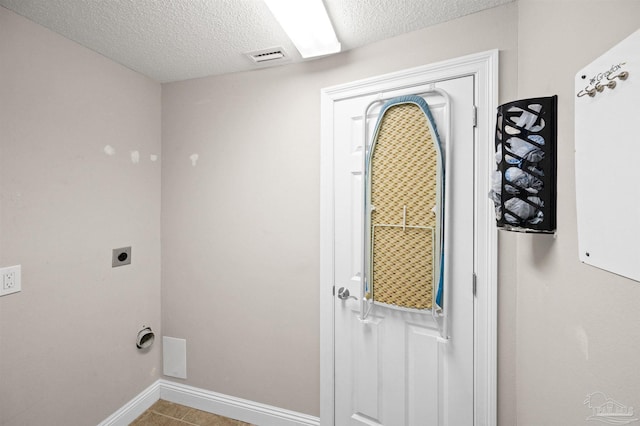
[{"x": 343, "y": 294}]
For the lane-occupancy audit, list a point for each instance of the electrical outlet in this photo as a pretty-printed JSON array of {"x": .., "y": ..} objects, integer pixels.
[
  {"x": 10, "y": 280},
  {"x": 121, "y": 256}
]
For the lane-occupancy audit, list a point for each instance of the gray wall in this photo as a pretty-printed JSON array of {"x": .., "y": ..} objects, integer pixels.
[
  {"x": 241, "y": 228},
  {"x": 563, "y": 326},
  {"x": 578, "y": 328},
  {"x": 67, "y": 341}
]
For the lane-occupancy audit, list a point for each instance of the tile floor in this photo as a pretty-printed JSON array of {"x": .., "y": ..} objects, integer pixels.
[{"x": 165, "y": 413}]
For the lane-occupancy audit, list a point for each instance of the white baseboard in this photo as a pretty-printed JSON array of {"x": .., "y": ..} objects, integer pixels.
[
  {"x": 134, "y": 408},
  {"x": 236, "y": 408},
  {"x": 212, "y": 402}
]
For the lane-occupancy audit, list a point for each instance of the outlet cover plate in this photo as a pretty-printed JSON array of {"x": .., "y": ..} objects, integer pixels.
[
  {"x": 10, "y": 280},
  {"x": 121, "y": 256}
]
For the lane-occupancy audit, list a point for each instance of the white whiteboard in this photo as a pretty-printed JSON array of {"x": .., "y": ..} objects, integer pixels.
[{"x": 607, "y": 142}]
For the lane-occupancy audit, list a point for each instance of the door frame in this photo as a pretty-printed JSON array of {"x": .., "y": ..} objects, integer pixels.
[{"x": 484, "y": 68}]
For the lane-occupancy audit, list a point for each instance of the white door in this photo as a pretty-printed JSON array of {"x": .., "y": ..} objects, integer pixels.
[{"x": 395, "y": 369}]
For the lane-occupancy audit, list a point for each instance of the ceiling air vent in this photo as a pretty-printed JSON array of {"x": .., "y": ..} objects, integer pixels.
[{"x": 268, "y": 56}]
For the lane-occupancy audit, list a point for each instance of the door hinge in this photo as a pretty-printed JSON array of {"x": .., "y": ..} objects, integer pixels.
[
  {"x": 475, "y": 116},
  {"x": 475, "y": 284}
]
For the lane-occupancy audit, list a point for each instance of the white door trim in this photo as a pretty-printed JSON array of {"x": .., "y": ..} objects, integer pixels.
[{"x": 484, "y": 67}]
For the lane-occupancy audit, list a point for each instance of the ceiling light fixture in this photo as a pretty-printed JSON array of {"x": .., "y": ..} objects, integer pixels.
[{"x": 307, "y": 24}]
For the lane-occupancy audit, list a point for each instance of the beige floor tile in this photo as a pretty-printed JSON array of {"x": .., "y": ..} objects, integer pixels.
[
  {"x": 170, "y": 409},
  {"x": 141, "y": 419},
  {"x": 202, "y": 418},
  {"x": 165, "y": 413},
  {"x": 151, "y": 418}
]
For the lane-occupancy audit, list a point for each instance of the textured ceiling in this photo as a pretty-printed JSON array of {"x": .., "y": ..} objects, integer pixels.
[{"x": 170, "y": 40}]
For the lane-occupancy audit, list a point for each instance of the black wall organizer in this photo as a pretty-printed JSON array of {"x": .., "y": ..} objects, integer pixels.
[{"x": 524, "y": 184}]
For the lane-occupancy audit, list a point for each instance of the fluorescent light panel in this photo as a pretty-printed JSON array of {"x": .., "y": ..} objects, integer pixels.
[{"x": 307, "y": 24}]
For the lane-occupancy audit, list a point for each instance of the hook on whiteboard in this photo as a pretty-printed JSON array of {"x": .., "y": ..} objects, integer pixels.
[{"x": 599, "y": 87}]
